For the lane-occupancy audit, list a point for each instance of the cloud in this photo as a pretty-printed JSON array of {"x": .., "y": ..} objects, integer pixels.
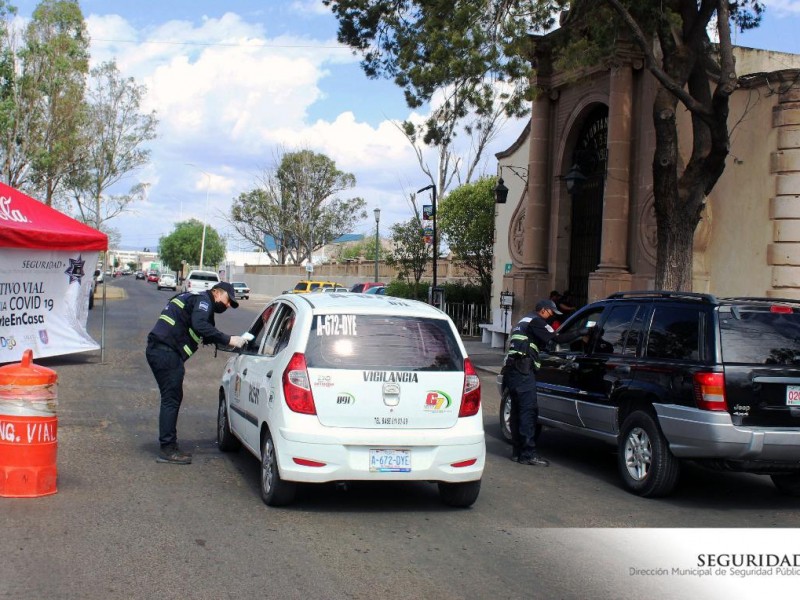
[{"x": 783, "y": 7}]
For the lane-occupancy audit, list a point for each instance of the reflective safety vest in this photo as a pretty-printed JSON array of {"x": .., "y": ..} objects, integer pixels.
[
  {"x": 521, "y": 345},
  {"x": 174, "y": 325}
]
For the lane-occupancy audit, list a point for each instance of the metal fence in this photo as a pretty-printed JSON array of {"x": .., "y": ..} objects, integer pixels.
[{"x": 467, "y": 317}]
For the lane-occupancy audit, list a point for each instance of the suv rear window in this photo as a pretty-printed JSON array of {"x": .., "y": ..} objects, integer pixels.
[
  {"x": 203, "y": 277},
  {"x": 754, "y": 335},
  {"x": 675, "y": 333},
  {"x": 382, "y": 342}
]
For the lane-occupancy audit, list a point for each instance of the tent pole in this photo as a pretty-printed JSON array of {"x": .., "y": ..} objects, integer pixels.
[{"x": 103, "y": 322}]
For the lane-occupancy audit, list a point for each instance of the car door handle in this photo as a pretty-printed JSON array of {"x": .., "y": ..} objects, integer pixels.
[
  {"x": 244, "y": 373},
  {"x": 269, "y": 374},
  {"x": 623, "y": 370}
]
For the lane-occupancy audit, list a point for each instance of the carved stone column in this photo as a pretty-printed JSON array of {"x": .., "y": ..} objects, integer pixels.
[{"x": 536, "y": 225}]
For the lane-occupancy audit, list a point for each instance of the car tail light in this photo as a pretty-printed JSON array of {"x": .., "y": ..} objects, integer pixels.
[
  {"x": 296, "y": 387},
  {"x": 709, "y": 391},
  {"x": 781, "y": 309},
  {"x": 307, "y": 462},
  {"x": 464, "y": 463},
  {"x": 471, "y": 398}
]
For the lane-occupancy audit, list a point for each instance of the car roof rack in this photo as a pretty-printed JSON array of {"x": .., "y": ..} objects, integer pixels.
[
  {"x": 666, "y": 294},
  {"x": 759, "y": 299}
]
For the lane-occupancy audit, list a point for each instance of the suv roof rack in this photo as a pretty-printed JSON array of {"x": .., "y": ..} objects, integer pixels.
[
  {"x": 759, "y": 299},
  {"x": 666, "y": 294}
]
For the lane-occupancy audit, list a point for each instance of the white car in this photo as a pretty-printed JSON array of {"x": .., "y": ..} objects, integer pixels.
[
  {"x": 200, "y": 281},
  {"x": 345, "y": 387},
  {"x": 242, "y": 290},
  {"x": 167, "y": 281}
]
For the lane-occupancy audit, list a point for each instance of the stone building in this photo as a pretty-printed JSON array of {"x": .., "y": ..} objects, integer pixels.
[{"x": 599, "y": 237}]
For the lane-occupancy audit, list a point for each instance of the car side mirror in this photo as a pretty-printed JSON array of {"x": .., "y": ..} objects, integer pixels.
[{"x": 96, "y": 272}]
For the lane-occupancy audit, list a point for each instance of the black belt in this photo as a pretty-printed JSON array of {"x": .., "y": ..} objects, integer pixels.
[{"x": 161, "y": 345}]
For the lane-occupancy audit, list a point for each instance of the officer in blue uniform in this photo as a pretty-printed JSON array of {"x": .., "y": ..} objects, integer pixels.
[
  {"x": 527, "y": 338},
  {"x": 187, "y": 320}
]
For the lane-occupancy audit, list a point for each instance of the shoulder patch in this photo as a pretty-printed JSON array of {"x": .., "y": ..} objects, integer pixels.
[{"x": 203, "y": 305}]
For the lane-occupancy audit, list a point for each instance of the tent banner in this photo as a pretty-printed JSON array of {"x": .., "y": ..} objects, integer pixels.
[{"x": 44, "y": 302}]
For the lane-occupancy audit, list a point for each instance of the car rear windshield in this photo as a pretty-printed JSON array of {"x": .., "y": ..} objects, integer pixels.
[
  {"x": 382, "y": 342},
  {"x": 204, "y": 277},
  {"x": 760, "y": 335}
]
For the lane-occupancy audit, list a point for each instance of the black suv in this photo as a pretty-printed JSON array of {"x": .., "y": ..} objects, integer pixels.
[{"x": 667, "y": 376}]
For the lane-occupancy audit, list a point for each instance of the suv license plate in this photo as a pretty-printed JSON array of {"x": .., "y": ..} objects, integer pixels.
[
  {"x": 396, "y": 461},
  {"x": 793, "y": 395}
]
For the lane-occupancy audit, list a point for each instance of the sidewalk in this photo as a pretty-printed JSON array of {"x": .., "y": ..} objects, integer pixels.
[{"x": 482, "y": 355}]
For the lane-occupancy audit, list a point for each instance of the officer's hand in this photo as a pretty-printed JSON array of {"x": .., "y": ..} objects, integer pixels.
[{"x": 237, "y": 341}]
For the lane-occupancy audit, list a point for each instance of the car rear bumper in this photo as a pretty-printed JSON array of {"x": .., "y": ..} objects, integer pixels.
[
  {"x": 347, "y": 457},
  {"x": 695, "y": 433}
]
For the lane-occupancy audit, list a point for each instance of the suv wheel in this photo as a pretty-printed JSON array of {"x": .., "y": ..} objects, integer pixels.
[
  {"x": 505, "y": 419},
  {"x": 787, "y": 483},
  {"x": 225, "y": 439},
  {"x": 459, "y": 495},
  {"x": 646, "y": 465},
  {"x": 274, "y": 490}
]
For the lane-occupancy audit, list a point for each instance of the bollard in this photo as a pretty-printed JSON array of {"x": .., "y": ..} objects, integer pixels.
[{"x": 28, "y": 429}]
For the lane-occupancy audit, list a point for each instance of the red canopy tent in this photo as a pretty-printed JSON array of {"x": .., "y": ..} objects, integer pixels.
[
  {"x": 28, "y": 223},
  {"x": 47, "y": 261}
]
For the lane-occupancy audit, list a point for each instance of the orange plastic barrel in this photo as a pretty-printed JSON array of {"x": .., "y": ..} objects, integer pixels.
[{"x": 28, "y": 429}]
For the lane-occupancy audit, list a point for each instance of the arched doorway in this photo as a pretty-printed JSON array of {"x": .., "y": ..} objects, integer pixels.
[{"x": 590, "y": 155}]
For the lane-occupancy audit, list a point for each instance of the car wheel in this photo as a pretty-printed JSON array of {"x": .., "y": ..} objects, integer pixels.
[
  {"x": 274, "y": 490},
  {"x": 787, "y": 483},
  {"x": 645, "y": 462},
  {"x": 505, "y": 416},
  {"x": 459, "y": 495},
  {"x": 505, "y": 419},
  {"x": 226, "y": 441}
]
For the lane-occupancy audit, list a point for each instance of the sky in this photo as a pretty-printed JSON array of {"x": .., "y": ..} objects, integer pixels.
[{"x": 236, "y": 83}]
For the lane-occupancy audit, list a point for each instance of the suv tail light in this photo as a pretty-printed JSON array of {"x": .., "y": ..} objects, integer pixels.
[
  {"x": 296, "y": 387},
  {"x": 709, "y": 391},
  {"x": 471, "y": 398}
]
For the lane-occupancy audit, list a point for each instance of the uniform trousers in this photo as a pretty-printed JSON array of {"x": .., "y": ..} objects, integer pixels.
[{"x": 167, "y": 367}]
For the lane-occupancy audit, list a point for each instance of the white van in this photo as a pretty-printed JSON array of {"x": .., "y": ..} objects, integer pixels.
[
  {"x": 342, "y": 387},
  {"x": 198, "y": 281}
]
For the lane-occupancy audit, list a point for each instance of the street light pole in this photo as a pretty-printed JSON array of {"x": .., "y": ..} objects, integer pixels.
[
  {"x": 205, "y": 214},
  {"x": 377, "y": 212},
  {"x": 432, "y": 187}
]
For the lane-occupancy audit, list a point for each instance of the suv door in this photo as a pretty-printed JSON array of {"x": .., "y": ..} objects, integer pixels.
[{"x": 559, "y": 381}]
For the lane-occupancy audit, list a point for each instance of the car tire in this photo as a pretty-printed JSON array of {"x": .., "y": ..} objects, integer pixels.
[
  {"x": 646, "y": 465},
  {"x": 505, "y": 419},
  {"x": 226, "y": 441},
  {"x": 787, "y": 483},
  {"x": 505, "y": 416},
  {"x": 459, "y": 495},
  {"x": 274, "y": 490}
]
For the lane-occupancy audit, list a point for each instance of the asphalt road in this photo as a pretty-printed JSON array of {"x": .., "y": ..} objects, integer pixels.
[{"x": 124, "y": 526}]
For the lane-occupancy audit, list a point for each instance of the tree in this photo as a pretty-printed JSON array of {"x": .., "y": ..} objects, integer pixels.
[
  {"x": 466, "y": 220},
  {"x": 55, "y": 63},
  {"x": 363, "y": 249},
  {"x": 426, "y": 44},
  {"x": 410, "y": 254},
  {"x": 115, "y": 132},
  {"x": 183, "y": 245},
  {"x": 297, "y": 207}
]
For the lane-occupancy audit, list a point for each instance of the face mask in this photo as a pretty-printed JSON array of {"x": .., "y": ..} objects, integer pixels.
[{"x": 220, "y": 307}]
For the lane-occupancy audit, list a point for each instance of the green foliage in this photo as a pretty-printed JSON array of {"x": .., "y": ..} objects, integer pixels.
[
  {"x": 56, "y": 59},
  {"x": 408, "y": 289},
  {"x": 185, "y": 242},
  {"x": 363, "y": 249},
  {"x": 410, "y": 254},
  {"x": 453, "y": 292},
  {"x": 466, "y": 220},
  {"x": 298, "y": 207}
]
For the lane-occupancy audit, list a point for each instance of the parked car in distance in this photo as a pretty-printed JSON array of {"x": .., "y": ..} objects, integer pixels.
[
  {"x": 242, "y": 290},
  {"x": 378, "y": 290},
  {"x": 152, "y": 276},
  {"x": 675, "y": 376},
  {"x": 303, "y": 287},
  {"x": 323, "y": 290},
  {"x": 167, "y": 281},
  {"x": 140, "y": 275},
  {"x": 199, "y": 281},
  {"x": 363, "y": 287},
  {"x": 328, "y": 391}
]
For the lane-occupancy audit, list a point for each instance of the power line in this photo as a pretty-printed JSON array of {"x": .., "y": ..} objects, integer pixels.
[{"x": 221, "y": 44}]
